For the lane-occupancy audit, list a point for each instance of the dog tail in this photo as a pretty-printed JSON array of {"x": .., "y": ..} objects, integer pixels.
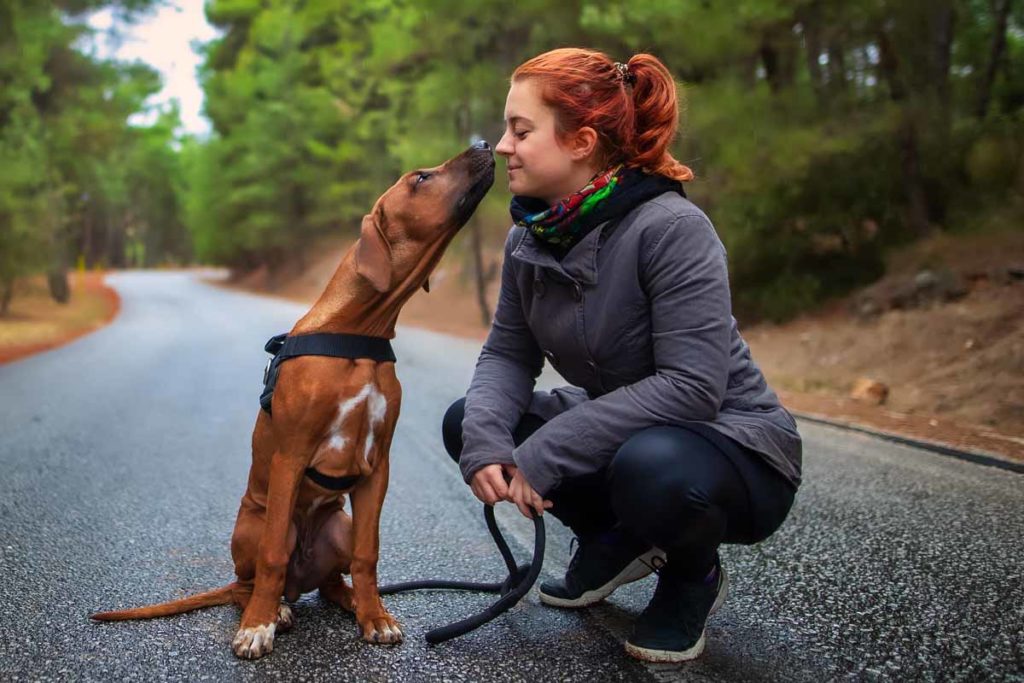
[{"x": 218, "y": 596}]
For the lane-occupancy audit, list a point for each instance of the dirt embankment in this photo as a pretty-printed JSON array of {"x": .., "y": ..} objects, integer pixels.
[
  {"x": 943, "y": 331},
  {"x": 35, "y": 322}
]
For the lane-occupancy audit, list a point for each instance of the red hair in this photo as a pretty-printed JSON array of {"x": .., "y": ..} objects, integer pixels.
[{"x": 635, "y": 123}]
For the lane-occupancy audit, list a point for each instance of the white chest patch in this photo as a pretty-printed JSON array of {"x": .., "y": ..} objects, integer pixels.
[{"x": 376, "y": 408}]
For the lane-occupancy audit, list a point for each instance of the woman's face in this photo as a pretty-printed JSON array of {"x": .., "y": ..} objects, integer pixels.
[{"x": 538, "y": 164}]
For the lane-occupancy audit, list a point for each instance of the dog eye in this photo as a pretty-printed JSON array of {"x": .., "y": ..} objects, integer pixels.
[{"x": 422, "y": 177}]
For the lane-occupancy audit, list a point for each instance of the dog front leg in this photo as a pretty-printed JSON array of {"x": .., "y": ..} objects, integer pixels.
[
  {"x": 375, "y": 623},
  {"x": 255, "y": 636}
]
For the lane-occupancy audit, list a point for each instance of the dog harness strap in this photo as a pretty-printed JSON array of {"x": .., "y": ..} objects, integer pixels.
[
  {"x": 353, "y": 346},
  {"x": 332, "y": 483},
  {"x": 338, "y": 346}
]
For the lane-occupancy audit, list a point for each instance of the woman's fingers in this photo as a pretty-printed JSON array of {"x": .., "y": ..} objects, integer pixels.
[
  {"x": 488, "y": 485},
  {"x": 526, "y": 498}
]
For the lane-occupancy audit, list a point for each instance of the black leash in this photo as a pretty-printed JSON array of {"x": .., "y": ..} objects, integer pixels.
[{"x": 520, "y": 579}]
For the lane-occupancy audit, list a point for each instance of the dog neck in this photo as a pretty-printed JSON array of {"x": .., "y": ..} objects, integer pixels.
[{"x": 351, "y": 305}]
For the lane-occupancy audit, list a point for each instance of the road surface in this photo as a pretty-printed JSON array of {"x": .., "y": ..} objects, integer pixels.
[{"x": 124, "y": 455}]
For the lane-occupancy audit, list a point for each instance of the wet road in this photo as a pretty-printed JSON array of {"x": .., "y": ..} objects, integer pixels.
[{"x": 123, "y": 457}]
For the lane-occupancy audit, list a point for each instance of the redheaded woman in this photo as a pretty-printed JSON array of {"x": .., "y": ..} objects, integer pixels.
[{"x": 669, "y": 442}]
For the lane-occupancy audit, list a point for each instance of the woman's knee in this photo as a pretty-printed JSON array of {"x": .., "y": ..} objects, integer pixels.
[
  {"x": 664, "y": 480},
  {"x": 451, "y": 428}
]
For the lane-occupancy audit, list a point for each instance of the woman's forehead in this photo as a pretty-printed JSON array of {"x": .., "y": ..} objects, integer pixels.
[{"x": 524, "y": 103}]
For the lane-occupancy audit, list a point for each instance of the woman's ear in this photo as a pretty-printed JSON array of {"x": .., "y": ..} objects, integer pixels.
[{"x": 583, "y": 143}]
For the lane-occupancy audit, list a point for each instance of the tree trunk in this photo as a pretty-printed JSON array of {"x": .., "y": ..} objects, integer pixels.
[
  {"x": 6, "y": 294},
  {"x": 907, "y": 140},
  {"x": 778, "y": 54},
  {"x": 57, "y": 279},
  {"x": 836, "y": 68},
  {"x": 942, "y": 44},
  {"x": 1001, "y": 9},
  {"x": 770, "y": 62},
  {"x": 810, "y": 19},
  {"x": 465, "y": 128},
  {"x": 913, "y": 181},
  {"x": 476, "y": 240}
]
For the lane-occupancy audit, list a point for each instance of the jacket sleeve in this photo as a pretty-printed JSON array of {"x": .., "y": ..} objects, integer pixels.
[
  {"x": 683, "y": 271},
  {"x": 502, "y": 384}
]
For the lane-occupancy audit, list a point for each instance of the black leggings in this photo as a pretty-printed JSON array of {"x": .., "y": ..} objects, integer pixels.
[{"x": 685, "y": 490}]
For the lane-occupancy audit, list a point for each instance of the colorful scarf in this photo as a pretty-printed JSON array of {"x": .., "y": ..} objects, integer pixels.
[{"x": 559, "y": 224}]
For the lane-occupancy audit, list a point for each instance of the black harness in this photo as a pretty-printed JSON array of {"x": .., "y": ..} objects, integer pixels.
[{"x": 353, "y": 346}]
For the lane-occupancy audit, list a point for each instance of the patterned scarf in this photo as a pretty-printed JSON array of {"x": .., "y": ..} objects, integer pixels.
[{"x": 559, "y": 225}]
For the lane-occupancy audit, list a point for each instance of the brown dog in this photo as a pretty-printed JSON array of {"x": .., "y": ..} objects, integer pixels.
[{"x": 337, "y": 416}]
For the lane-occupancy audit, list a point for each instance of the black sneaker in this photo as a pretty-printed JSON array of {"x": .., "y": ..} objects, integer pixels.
[
  {"x": 671, "y": 628},
  {"x": 598, "y": 568}
]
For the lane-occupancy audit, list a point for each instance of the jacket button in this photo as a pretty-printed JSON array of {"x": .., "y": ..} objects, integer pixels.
[
  {"x": 539, "y": 288},
  {"x": 552, "y": 358},
  {"x": 577, "y": 292}
]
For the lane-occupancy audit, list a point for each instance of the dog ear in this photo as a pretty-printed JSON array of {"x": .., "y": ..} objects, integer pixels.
[{"x": 373, "y": 255}]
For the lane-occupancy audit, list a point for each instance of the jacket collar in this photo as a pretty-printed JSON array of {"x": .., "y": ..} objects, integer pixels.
[{"x": 579, "y": 265}]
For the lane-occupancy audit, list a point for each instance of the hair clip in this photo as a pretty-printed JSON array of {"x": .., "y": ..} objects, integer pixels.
[{"x": 625, "y": 74}]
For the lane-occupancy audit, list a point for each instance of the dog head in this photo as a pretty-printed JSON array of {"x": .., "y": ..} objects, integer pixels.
[{"x": 404, "y": 235}]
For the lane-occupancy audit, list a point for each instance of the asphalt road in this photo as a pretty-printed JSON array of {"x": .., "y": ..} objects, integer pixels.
[{"x": 123, "y": 457}]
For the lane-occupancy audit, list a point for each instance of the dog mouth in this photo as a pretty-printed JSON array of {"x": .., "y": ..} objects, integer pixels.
[{"x": 483, "y": 171}]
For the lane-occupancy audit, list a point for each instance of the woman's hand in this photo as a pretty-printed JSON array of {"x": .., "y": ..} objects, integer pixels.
[
  {"x": 526, "y": 499},
  {"x": 488, "y": 484}
]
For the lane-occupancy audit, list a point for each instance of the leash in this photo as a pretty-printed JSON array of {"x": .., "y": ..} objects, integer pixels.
[{"x": 518, "y": 583}]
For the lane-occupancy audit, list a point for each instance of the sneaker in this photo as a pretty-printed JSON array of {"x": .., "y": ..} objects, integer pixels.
[
  {"x": 599, "y": 566},
  {"x": 671, "y": 628}
]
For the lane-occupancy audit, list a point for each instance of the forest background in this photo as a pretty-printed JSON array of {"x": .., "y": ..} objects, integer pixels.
[{"x": 822, "y": 132}]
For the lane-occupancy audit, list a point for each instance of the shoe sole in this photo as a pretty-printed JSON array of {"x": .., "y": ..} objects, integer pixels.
[
  {"x": 666, "y": 655},
  {"x": 661, "y": 656},
  {"x": 634, "y": 571}
]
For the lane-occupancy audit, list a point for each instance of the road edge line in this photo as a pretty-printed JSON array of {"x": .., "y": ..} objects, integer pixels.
[{"x": 977, "y": 457}]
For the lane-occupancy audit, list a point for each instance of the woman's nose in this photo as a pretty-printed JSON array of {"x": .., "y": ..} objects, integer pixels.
[{"x": 504, "y": 146}]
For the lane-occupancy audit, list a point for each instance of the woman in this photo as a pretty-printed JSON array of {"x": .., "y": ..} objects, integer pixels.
[{"x": 669, "y": 443}]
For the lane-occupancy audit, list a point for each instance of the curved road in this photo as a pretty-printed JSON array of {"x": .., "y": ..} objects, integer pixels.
[{"x": 124, "y": 454}]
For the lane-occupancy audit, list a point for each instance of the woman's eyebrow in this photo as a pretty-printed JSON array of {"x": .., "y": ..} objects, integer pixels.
[{"x": 514, "y": 119}]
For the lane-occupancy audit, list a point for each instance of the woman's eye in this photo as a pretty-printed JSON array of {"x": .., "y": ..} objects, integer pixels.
[{"x": 521, "y": 134}]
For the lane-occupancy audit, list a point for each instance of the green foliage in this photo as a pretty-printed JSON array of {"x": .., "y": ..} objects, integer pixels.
[
  {"x": 78, "y": 180},
  {"x": 822, "y": 132}
]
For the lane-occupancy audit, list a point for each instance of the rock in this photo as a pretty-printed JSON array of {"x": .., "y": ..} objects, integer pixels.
[
  {"x": 866, "y": 308},
  {"x": 925, "y": 280},
  {"x": 869, "y": 391}
]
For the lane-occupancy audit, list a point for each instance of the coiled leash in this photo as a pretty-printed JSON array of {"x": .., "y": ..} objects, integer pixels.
[{"x": 520, "y": 579}]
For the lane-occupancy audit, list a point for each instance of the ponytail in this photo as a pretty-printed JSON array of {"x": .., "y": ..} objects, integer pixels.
[{"x": 656, "y": 107}]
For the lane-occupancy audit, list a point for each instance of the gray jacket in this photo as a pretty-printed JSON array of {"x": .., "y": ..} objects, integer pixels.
[{"x": 640, "y": 322}]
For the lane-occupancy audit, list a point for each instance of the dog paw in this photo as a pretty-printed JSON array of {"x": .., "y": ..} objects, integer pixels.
[
  {"x": 383, "y": 630},
  {"x": 285, "y": 618},
  {"x": 254, "y": 642}
]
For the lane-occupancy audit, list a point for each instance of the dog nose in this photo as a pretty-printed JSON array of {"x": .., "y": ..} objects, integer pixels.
[{"x": 481, "y": 144}]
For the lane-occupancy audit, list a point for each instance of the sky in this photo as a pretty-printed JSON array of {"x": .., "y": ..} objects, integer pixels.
[{"x": 162, "y": 39}]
